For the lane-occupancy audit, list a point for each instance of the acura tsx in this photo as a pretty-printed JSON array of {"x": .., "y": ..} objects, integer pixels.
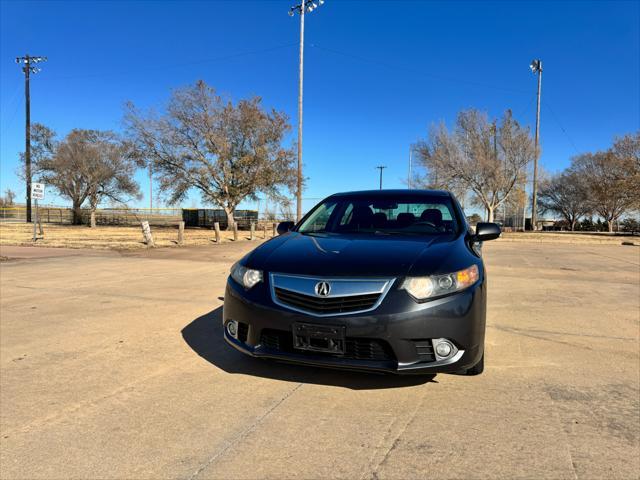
[{"x": 384, "y": 280}]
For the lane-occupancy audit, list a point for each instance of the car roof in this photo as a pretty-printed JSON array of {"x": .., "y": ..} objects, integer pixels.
[{"x": 394, "y": 192}]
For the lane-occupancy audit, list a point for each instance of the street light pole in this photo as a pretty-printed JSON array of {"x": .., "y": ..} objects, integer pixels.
[
  {"x": 309, "y": 6},
  {"x": 300, "y": 86},
  {"x": 29, "y": 68},
  {"x": 381, "y": 167},
  {"x": 536, "y": 67}
]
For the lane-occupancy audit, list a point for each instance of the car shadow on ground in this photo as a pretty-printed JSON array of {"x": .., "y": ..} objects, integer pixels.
[{"x": 204, "y": 336}]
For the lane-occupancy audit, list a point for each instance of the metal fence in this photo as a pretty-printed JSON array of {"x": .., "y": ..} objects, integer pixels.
[
  {"x": 104, "y": 216},
  {"x": 192, "y": 217}
]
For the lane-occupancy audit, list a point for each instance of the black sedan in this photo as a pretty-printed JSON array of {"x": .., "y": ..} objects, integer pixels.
[{"x": 384, "y": 280}]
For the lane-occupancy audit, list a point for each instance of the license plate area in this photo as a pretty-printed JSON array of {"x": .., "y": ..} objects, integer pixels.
[{"x": 319, "y": 338}]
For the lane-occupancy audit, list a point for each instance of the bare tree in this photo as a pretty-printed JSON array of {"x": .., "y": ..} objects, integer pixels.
[
  {"x": 628, "y": 146},
  {"x": 226, "y": 152},
  {"x": 486, "y": 158},
  {"x": 566, "y": 194},
  {"x": 286, "y": 210},
  {"x": 43, "y": 145},
  {"x": 89, "y": 166},
  {"x": 612, "y": 183},
  {"x": 627, "y": 151},
  {"x": 9, "y": 197}
]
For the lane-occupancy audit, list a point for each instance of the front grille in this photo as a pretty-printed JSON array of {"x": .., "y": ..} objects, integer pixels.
[
  {"x": 326, "y": 305},
  {"x": 355, "y": 348},
  {"x": 424, "y": 349}
]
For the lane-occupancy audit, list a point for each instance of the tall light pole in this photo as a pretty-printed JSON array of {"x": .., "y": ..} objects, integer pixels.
[
  {"x": 536, "y": 67},
  {"x": 28, "y": 68},
  {"x": 309, "y": 6},
  {"x": 381, "y": 168}
]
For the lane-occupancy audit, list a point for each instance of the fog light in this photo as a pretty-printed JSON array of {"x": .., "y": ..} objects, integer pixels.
[
  {"x": 444, "y": 349},
  {"x": 232, "y": 328}
]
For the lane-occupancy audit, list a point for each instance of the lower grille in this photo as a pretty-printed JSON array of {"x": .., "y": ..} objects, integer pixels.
[
  {"x": 243, "y": 331},
  {"x": 326, "y": 305},
  {"x": 424, "y": 349},
  {"x": 355, "y": 348}
]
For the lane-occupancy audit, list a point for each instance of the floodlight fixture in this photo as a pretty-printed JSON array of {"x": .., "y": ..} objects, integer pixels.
[{"x": 536, "y": 65}]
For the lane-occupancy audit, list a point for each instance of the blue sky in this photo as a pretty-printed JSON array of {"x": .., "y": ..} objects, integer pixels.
[{"x": 377, "y": 73}]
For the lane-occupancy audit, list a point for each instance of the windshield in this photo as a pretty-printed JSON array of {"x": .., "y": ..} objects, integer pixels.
[{"x": 412, "y": 215}]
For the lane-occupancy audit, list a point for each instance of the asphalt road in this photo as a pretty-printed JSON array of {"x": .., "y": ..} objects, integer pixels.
[{"x": 113, "y": 366}]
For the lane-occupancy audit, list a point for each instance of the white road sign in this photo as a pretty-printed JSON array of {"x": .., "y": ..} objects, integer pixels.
[{"x": 37, "y": 191}]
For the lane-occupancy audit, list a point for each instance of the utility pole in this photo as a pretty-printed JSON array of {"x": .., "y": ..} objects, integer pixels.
[
  {"x": 150, "y": 188},
  {"x": 381, "y": 167},
  {"x": 28, "y": 68},
  {"x": 309, "y": 6},
  {"x": 536, "y": 67}
]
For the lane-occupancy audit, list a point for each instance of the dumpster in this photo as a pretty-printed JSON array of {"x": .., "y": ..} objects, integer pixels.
[{"x": 206, "y": 217}]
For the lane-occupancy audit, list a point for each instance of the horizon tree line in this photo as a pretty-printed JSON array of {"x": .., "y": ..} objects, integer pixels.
[
  {"x": 230, "y": 152},
  {"x": 488, "y": 160},
  {"x": 226, "y": 151}
]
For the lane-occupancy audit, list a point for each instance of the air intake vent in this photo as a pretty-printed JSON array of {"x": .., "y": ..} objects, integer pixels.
[
  {"x": 243, "y": 331},
  {"x": 424, "y": 349}
]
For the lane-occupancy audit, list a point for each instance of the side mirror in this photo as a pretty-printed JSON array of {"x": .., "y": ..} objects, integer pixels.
[
  {"x": 487, "y": 231},
  {"x": 284, "y": 227}
]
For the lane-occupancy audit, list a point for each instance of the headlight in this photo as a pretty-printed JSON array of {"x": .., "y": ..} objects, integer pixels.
[
  {"x": 422, "y": 288},
  {"x": 246, "y": 277}
]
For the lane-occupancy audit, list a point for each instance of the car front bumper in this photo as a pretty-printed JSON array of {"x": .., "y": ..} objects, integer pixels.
[{"x": 399, "y": 324}]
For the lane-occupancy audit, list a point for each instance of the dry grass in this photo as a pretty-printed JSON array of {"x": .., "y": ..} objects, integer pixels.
[
  {"x": 568, "y": 237},
  {"x": 130, "y": 238},
  {"x": 117, "y": 238}
]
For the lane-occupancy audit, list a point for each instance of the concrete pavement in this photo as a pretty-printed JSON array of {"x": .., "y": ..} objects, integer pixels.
[{"x": 113, "y": 366}]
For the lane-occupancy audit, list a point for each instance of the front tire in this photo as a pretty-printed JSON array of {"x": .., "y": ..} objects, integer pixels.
[{"x": 478, "y": 368}]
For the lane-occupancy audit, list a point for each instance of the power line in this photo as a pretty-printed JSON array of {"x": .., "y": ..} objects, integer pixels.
[
  {"x": 180, "y": 64},
  {"x": 414, "y": 71},
  {"x": 9, "y": 106},
  {"x": 525, "y": 109},
  {"x": 555, "y": 117},
  {"x": 13, "y": 97}
]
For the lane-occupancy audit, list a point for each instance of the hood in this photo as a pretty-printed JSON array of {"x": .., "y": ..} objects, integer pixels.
[{"x": 358, "y": 255}]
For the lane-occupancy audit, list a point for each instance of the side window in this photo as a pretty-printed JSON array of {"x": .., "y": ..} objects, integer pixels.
[{"x": 346, "y": 216}]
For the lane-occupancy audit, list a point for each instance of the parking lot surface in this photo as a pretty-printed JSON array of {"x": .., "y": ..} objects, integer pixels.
[{"x": 113, "y": 366}]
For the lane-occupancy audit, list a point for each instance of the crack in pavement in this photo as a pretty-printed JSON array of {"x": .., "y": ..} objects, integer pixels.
[
  {"x": 373, "y": 472},
  {"x": 614, "y": 258},
  {"x": 567, "y": 443},
  {"x": 241, "y": 435},
  {"x": 550, "y": 332},
  {"x": 72, "y": 409}
]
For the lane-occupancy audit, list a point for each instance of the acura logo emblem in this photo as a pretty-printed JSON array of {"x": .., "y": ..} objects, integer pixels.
[{"x": 323, "y": 289}]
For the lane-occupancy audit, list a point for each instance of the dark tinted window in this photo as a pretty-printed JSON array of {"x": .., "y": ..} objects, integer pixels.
[{"x": 388, "y": 214}]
